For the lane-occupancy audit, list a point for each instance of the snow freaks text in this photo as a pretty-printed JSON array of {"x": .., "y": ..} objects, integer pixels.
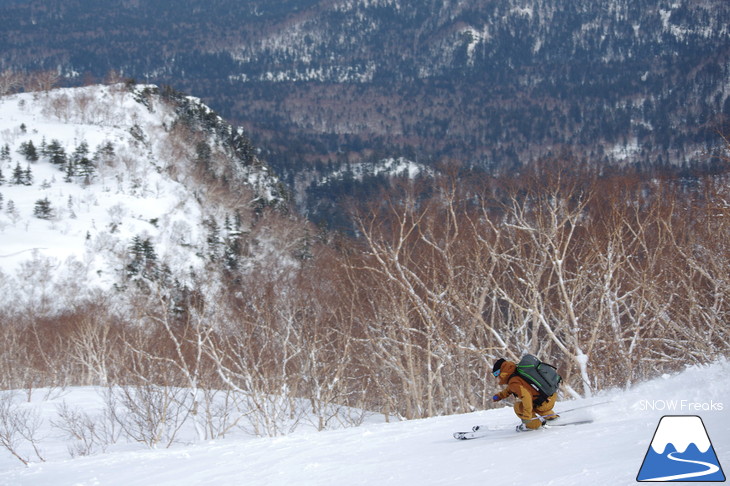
[{"x": 680, "y": 406}]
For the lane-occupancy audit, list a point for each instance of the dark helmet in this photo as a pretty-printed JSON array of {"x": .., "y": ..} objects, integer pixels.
[{"x": 498, "y": 364}]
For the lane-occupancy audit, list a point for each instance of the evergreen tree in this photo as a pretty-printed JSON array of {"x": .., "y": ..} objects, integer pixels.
[
  {"x": 104, "y": 154},
  {"x": 143, "y": 259},
  {"x": 5, "y": 152},
  {"x": 86, "y": 170},
  {"x": 43, "y": 209},
  {"x": 83, "y": 166},
  {"x": 27, "y": 177},
  {"x": 18, "y": 175},
  {"x": 135, "y": 250},
  {"x": 28, "y": 150},
  {"x": 56, "y": 153},
  {"x": 148, "y": 251},
  {"x": 242, "y": 147},
  {"x": 232, "y": 248},
  {"x": 70, "y": 171},
  {"x": 213, "y": 239},
  {"x": 12, "y": 211},
  {"x": 203, "y": 155},
  {"x": 80, "y": 152}
]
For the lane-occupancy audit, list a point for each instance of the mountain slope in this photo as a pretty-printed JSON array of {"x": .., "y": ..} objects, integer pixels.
[
  {"x": 492, "y": 83},
  {"x": 421, "y": 452},
  {"x": 103, "y": 186}
]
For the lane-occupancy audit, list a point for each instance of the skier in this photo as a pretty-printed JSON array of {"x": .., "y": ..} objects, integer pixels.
[{"x": 533, "y": 407}]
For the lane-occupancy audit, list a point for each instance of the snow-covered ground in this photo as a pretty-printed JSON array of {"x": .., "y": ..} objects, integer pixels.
[
  {"x": 123, "y": 197},
  {"x": 143, "y": 186},
  {"x": 608, "y": 451}
]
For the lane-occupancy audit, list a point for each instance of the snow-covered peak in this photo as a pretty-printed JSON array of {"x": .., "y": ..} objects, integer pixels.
[{"x": 680, "y": 431}]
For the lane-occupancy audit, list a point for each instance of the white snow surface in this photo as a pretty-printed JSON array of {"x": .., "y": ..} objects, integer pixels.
[
  {"x": 608, "y": 451},
  {"x": 145, "y": 189},
  {"x": 91, "y": 222}
]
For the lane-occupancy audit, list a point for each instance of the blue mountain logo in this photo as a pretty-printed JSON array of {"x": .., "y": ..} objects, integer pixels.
[{"x": 681, "y": 451}]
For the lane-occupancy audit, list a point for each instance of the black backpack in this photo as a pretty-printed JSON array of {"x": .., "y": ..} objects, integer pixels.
[{"x": 541, "y": 376}]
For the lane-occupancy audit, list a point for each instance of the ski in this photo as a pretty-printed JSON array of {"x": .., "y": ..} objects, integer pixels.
[
  {"x": 549, "y": 425},
  {"x": 483, "y": 430},
  {"x": 479, "y": 431},
  {"x": 469, "y": 435},
  {"x": 492, "y": 432}
]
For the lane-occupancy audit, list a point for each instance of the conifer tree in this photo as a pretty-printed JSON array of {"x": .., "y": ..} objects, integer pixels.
[
  {"x": 233, "y": 244},
  {"x": 56, "y": 153},
  {"x": 43, "y": 209},
  {"x": 148, "y": 251},
  {"x": 27, "y": 177},
  {"x": 81, "y": 152},
  {"x": 143, "y": 259},
  {"x": 22, "y": 177},
  {"x": 203, "y": 155},
  {"x": 18, "y": 175},
  {"x": 86, "y": 170},
  {"x": 83, "y": 166},
  {"x": 213, "y": 239},
  {"x": 135, "y": 250},
  {"x": 70, "y": 171},
  {"x": 104, "y": 154},
  {"x": 12, "y": 211},
  {"x": 28, "y": 150}
]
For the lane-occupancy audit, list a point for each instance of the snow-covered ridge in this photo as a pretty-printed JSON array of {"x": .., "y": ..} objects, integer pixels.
[
  {"x": 391, "y": 167},
  {"x": 87, "y": 171},
  {"x": 681, "y": 432}
]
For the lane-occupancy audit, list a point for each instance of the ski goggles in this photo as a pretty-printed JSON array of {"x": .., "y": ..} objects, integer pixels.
[{"x": 496, "y": 373}]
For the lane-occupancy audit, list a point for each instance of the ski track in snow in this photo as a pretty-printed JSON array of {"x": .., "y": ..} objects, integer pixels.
[{"x": 608, "y": 451}]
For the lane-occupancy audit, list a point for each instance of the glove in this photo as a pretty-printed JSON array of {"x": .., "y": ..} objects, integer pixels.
[{"x": 496, "y": 398}]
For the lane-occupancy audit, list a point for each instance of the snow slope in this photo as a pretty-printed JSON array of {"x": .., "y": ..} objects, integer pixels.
[
  {"x": 608, "y": 451},
  {"x": 143, "y": 186},
  {"x": 89, "y": 219}
]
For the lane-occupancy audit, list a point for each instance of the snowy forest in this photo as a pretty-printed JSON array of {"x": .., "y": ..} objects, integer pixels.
[
  {"x": 493, "y": 84},
  {"x": 284, "y": 242},
  {"x": 613, "y": 276}
]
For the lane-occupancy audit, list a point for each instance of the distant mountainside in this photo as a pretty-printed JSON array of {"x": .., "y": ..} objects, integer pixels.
[
  {"x": 492, "y": 84},
  {"x": 120, "y": 186}
]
